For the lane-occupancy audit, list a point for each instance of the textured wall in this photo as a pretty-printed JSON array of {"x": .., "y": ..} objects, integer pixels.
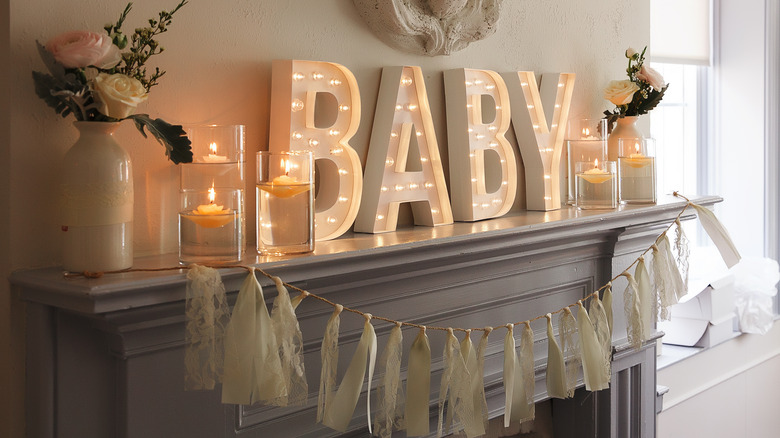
[{"x": 218, "y": 60}]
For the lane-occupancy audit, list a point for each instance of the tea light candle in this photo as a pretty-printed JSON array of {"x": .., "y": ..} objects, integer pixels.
[
  {"x": 211, "y": 215},
  {"x": 212, "y": 157},
  {"x": 596, "y": 175},
  {"x": 637, "y": 159}
]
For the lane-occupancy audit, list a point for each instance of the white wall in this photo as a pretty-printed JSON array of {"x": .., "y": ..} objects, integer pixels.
[{"x": 218, "y": 58}]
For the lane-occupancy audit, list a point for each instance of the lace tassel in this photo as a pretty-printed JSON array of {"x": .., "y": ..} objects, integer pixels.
[
  {"x": 682, "y": 252},
  {"x": 634, "y": 326},
  {"x": 556, "y": 370},
  {"x": 389, "y": 391},
  {"x": 674, "y": 278},
  {"x": 290, "y": 340},
  {"x": 339, "y": 412},
  {"x": 567, "y": 327},
  {"x": 269, "y": 386},
  {"x": 598, "y": 318},
  {"x": 666, "y": 294},
  {"x": 719, "y": 235},
  {"x": 647, "y": 302},
  {"x": 418, "y": 386},
  {"x": 456, "y": 392},
  {"x": 475, "y": 389},
  {"x": 526, "y": 411},
  {"x": 595, "y": 369},
  {"x": 329, "y": 355},
  {"x": 207, "y": 314}
]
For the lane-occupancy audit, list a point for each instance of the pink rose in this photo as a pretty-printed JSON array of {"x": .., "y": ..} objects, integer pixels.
[
  {"x": 652, "y": 77},
  {"x": 79, "y": 48}
]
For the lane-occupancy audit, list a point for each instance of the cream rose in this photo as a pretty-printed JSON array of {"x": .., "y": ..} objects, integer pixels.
[
  {"x": 650, "y": 76},
  {"x": 79, "y": 49},
  {"x": 620, "y": 92},
  {"x": 118, "y": 94}
]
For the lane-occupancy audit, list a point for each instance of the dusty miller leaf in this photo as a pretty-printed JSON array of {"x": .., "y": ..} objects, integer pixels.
[{"x": 177, "y": 145}]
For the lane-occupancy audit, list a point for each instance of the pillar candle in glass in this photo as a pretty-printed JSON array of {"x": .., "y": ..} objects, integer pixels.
[
  {"x": 217, "y": 166},
  {"x": 285, "y": 202},
  {"x": 636, "y": 170},
  {"x": 596, "y": 185},
  {"x": 211, "y": 226},
  {"x": 586, "y": 140}
]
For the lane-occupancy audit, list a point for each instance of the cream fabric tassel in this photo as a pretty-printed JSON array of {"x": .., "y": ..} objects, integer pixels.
[
  {"x": 567, "y": 327},
  {"x": 606, "y": 300},
  {"x": 595, "y": 369},
  {"x": 647, "y": 301},
  {"x": 517, "y": 407},
  {"x": 556, "y": 369},
  {"x": 675, "y": 280},
  {"x": 389, "y": 392},
  {"x": 418, "y": 387},
  {"x": 527, "y": 410},
  {"x": 682, "y": 252},
  {"x": 475, "y": 364},
  {"x": 719, "y": 235},
  {"x": 329, "y": 355},
  {"x": 207, "y": 314},
  {"x": 665, "y": 285},
  {"x": 456, "y": 386},
  {"x": 339, "y": 412},
  {"x": 598, "y": 318},
  {"x": 634, "y": 326},
  {"x": 253, "y": 371},
  {"x": 290, "y": 340}
]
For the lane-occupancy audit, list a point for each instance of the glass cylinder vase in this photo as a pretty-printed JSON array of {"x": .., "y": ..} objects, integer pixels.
[
  {"x": 586, "y": 140},
  {"x": 97, "y": 201},
  {"x": 636, "y": 170},
  {"x": 596, "y": 185},
  {"x": 217, "y": 170},
  {"x": 285, "y": 202}
]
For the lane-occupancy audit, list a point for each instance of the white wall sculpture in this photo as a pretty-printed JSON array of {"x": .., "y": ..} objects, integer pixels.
[{"x": 430, "y": 27}]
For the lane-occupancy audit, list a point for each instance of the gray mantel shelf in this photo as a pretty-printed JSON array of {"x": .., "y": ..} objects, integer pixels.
[
  {"x": 105, "y": 356},
  {"x": 344, "y": 255}
]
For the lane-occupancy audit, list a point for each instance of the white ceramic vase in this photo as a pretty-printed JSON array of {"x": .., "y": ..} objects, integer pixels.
[
  {"x": 624, "y": 128},
  {"x": 97, "y": 201}
]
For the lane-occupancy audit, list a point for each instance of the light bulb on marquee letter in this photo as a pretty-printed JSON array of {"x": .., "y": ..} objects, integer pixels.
[
  {"x": 402, "y": 116},
  {"x": 541, "y": 145},
  {"x": 470, "y": 139},
  {"x": 295, "y": 85}
]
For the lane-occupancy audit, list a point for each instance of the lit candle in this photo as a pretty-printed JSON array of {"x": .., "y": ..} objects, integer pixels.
[
  {"x": 212, "y": 157},
  {"x": 586, "y": 135},
  {"x": 286, "y": 186},
  {"x": 637, "y": 159},
  {"x": 596, "y": 175},
  {"x": 211, "y": 215}
]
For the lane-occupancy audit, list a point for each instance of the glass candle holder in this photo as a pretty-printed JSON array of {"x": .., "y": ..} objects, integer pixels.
[
  {"x": 211, "y": 226},
  {"x": 285, "y": 202},
  {"x": 636, "y": 170},
  {"x": 586, "y": 141},
  {"x": 596, "y": 185},
  {"x": 217, "y": 165}
]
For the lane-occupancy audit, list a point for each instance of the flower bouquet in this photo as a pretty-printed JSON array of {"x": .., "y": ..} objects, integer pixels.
[
  {"x": 638, "y": 94},
  {"x": 90, "y": 77}
]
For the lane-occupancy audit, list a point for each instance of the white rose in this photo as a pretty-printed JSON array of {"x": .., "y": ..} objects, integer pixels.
[
  {"x": 620, "y": 92},
  {"x": 651, "y": 76},
  {"x": 118, "y": 94}
]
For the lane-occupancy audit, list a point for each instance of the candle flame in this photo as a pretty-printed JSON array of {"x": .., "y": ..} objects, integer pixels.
[
  {"x": 286, "y": 165},
  {"x": 596, "y": 163},
  {"x": 636, "y": 146},
  {"x": 585, "y": 132},
  {"x": 212, "y": 193},
  {"x": 213, "y": 147}
]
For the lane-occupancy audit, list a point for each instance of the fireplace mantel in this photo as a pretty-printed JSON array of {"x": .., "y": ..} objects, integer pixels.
[{"x": 105, "y": 355}]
